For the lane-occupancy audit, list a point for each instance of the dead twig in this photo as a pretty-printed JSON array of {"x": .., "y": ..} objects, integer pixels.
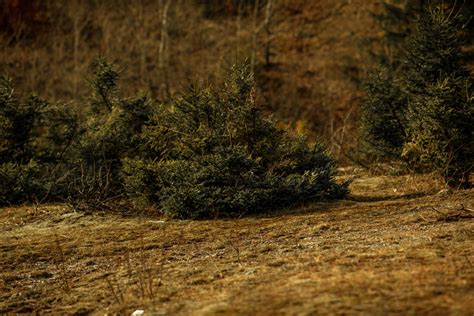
[
  {"x": 116, "y": 291},
  {"x": 453, "y": 217},
  {"x": 236, "y": 249},
  {"x": 61, "y": 265},
  {"x": 466, "y": 209}
]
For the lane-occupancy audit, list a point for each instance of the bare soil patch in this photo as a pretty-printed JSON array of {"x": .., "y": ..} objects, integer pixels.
[{"x": 397, "y": 245}]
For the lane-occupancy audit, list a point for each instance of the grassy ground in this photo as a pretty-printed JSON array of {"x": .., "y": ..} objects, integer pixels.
[{"x": 398, "y": 245}]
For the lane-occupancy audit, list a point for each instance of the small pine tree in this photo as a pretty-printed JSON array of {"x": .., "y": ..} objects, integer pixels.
[
  {"x": 397, "y": 22},
  {"x": 16, "y": 123},
  {"x": 441, "y": 132},
  {"x": 440, "y": 109},
  {"x": 424, "y": 115},
  {"x": 114, "y": 122},
  {"x": 110, "y": 133},
  {"x": 434, "y": 52},
  {"x": 34, "y": 137},
  {"x": 383, "y": 123},
  {"x": 217, "y": 156},
  {"x": 383, "y": 116}
]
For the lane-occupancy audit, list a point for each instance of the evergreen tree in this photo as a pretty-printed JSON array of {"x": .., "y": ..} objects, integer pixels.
[
  {"x": 383, "y": 121},
  {"x": 383, "y": 116},
  {"x": 16, "y": 124},
  {"x": 113, "y": 122},
  {"x": 397, "y": 21},
  {"x": 424, "y": 115},
  {"x": 434, "y": 51},
  {"x": 34, "y": 138},
  {"x": 440, "y": 110},
  {"x": 216, "y": 155},
  {"x": 110, "y": 133}
]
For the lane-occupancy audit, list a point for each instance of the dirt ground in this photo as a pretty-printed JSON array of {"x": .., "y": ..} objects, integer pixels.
[{"x": 399, "y": 245}]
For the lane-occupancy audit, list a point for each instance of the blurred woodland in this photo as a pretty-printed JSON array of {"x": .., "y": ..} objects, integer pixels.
[{"x": 310, "y": 58}]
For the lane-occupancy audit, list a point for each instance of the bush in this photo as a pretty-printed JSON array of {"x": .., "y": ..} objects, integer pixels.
[
  {"x": 20, "y": 182},
  {"x": 34, "y": 138},
  {"x": 206, "y": 154},
  {"x": 383, "y": 116},
  {"x": 215, "y": 155},
  {"x": 16, "y": 124},
  {"x": 110, "y": 133}
]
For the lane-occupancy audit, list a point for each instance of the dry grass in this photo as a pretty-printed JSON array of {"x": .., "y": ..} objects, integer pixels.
[{"x": 394, "y": 247}]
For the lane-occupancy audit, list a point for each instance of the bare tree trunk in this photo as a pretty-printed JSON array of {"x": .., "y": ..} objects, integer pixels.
[
  {"x": 79, "y": 22},
  {"x": 162, "y": 57},
  {"x": 142, "y": 44},
  {"x": 140, "y": 26},
  {"x": 266, "y": 26},
  {"x": 77, "y": 34},
  {"x": 257, "y": 28},
  {"x": 240, "y": 8},
  {"x": 254, "y": 37}
]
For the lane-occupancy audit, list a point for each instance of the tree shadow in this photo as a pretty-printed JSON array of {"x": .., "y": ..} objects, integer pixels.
[
  {"x": 381, "y": 198},
  {"x": 351, "y": 199}
]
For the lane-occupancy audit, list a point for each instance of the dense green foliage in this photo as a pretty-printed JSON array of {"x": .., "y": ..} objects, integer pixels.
[
  {"x": 110, "y": 133},
  {"x": 434, "y": 51},
  {"x": 207, "y": 154},
  {"x": 441, "y": 131},
  {"x": 397, "y": 21},
  {"x": 440, "y": 110},
  {"x": 216, "y": 155},
  {"x": 48, "y": 153},
  {"x": 384, "y": 115},
  {"x": 423, "y": 115},
  {"x": 34, "y": 138}
]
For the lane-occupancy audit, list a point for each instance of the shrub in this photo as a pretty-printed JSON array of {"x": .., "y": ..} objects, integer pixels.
[
  {"x": 20, "y": 182},
  {"x": 383, "y": 116},
  {"x": 215, "y": 155},
  {"x": 34, "y": 138},
  {"x": 206, "y": 154},
  {"x": 16, "y": 124},
  {"x": 110, "y": 133}
]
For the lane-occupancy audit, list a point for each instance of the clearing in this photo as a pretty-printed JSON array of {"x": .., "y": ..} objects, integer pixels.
[{"x": 397, "y": 245}]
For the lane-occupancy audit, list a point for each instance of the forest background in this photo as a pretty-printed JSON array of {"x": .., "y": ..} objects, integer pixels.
[{"x": 310, "y": 58}]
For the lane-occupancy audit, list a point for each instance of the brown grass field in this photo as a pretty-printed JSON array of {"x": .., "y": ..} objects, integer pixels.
[{"x": 399, "y": 245}]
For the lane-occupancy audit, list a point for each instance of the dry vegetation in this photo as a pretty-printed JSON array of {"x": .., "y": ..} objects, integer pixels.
[{"x": 397, "y": 245}]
